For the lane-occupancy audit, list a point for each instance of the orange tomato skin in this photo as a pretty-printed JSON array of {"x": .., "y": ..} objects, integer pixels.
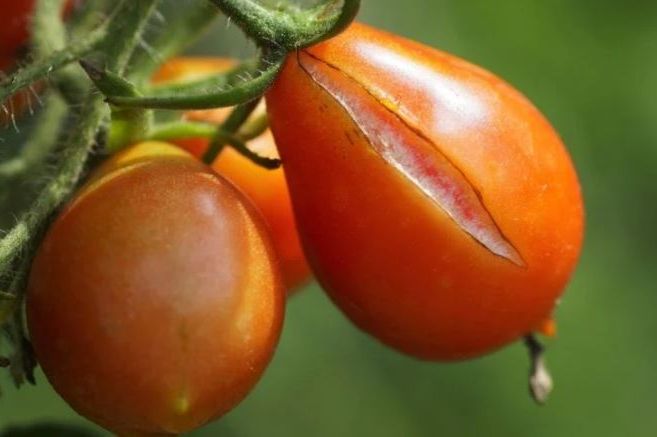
[
  {"x": 155, "y": 301},
  {"x": 436, "y": 205},
  {"x": 267, "y": 189}
]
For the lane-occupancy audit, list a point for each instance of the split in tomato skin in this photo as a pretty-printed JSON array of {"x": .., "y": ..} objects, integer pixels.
[
  {"x": 267, "y": 189},
  {"x": 436, "y": 206},
  {"x": 155, "y": 301}
]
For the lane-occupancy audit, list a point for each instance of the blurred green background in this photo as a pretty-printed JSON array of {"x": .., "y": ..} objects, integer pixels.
[{"x": 591, "y": 67}]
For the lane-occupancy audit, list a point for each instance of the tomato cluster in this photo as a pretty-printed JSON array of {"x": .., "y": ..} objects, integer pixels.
[{"x": 435, "y": 205}]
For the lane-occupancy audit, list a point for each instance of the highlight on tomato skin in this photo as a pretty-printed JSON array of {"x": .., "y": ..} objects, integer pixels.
[
  {"x": 436, "y": 205},
  {"x": 267, "y": 189},
  {"x": 155, "y": 301}
]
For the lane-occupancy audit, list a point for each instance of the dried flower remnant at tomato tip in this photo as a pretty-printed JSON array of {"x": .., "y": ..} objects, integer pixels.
[{"x": 414, "y": 156}]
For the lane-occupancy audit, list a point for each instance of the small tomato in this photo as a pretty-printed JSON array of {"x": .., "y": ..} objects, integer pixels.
[{"x": 155, "y": 302}]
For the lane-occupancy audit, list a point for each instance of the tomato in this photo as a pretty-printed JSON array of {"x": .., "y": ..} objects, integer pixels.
[
  {"x": 155, "y": 301},
  {"x": 267, "y": 189},
  {"x": 437, "y": 207}
]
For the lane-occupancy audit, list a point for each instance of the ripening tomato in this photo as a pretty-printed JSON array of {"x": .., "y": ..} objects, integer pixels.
[
  {"x": 437, "y": 207},
  {"x": 155, "y": 301},
  {"x": 267, "y": 189}
]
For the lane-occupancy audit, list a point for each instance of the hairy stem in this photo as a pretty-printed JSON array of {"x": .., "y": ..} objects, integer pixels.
[
  {"x": 287, "y": 26},
  {"x": 74, "y": 156},
  {"x": 41, "y": 142},
  {"x": 181, "y": 29},
  {"x": 48, "y": 33},
  {"x": 119, "y": 38},
  {"x": 41, "y": 68},
  {"x": 235, "y": 120},
  {"x": 231, "y": 94}
]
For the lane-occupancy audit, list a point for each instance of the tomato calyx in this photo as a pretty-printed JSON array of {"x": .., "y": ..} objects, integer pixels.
[
  {"x": 288, "y": 26},
  {"x": 413, "y": 155}
]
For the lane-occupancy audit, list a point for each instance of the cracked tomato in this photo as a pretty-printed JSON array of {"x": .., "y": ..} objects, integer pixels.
[{"x": 438, "y": 207}]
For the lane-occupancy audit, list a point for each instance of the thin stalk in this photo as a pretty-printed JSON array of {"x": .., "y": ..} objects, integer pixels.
[
  {"x": 230, "y": 95},
  {"x": 235, "y": 120}
]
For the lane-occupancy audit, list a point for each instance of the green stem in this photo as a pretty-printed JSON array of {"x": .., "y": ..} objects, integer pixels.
[
  {"x": 226, "y": 135},
  {"x": 47, "y": 30},
  {"x": 90, "y": 14},
  {"x": 177, "y": 130},
  {"x": 42, "y": 67},
  {"x": 287, "y": 26},
  {"x": 134, "y": 18},
  {"x": 207, "y": 83},
  {"x": 49, "y": 34},
  {"x": 133, "y": 123},
  {"x": 41, "y": 142},
  {"x": 234, "y": 94},
  {"x": 22, "y": 362},
  {"x": 235, "y": 120},
  {"x": 182, "y": 28},
  {"x": 253, "y": 127},
  {"x": 58, "y": 189},
  {"x": 181, "y": 129}
]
